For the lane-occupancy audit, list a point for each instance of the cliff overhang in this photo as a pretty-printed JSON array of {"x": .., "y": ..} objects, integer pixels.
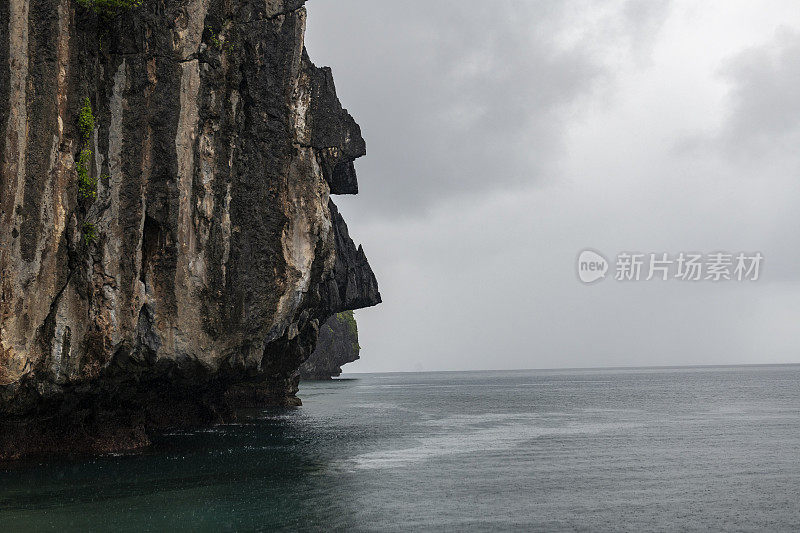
[{"x": 187, "y": 270}]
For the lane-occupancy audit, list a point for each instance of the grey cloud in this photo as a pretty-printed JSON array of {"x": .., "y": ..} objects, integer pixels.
[
  {"x": 765, "y": 96},
  {"x": 452, "y": 100},
  {"x": 514, "y": 134},
  {"x": 643, "y": 20}
]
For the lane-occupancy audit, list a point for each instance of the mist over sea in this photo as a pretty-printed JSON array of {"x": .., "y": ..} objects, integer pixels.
[{"x": 635, "y": 449}]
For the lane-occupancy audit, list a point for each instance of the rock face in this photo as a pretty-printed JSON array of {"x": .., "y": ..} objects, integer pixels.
[
  {"x": 193, "y": 275},
  {"x": 337, "y": 345}
]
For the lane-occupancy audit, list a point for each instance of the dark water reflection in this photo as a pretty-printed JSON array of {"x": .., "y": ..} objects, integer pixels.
[
  {"x": 263, "y": 472},
  {"x": 636, "y": 449}
]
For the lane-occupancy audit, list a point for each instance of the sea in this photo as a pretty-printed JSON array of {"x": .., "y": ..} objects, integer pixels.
[{"x": 637, "y": 449}]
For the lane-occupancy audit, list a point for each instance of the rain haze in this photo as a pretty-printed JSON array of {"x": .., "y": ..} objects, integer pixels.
[{"x": 505, "y": 137}]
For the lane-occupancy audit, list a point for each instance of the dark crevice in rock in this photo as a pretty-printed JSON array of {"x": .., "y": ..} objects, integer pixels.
[
  {"x": 5, "y": 89},
  {"x": 152, "y": 244}
]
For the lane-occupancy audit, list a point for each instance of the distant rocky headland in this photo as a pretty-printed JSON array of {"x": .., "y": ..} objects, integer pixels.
[
  {"x": 337, "y": 345},
  {"x": 168, "y": 246}
]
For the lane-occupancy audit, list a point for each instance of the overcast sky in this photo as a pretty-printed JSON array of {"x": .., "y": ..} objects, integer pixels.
[{"x": 505, "y": 137}]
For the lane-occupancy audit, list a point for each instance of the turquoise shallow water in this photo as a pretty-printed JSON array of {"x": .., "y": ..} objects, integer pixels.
[{"x": 637, "y": 449}]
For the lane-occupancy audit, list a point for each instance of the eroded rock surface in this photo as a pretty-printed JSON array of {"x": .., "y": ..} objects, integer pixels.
[
  {"x": 197, "y": 277},
  {"x": 337, "y": 345}
]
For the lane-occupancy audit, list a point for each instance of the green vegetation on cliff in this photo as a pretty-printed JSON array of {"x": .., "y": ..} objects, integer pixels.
[
  {"x": 86, "y": 120},
  {"x": 347, "y": 318},
  {"x": 87, "y": 184},
  {"x": 109, "y": 7},
  {"x": 89, "y": 233}
]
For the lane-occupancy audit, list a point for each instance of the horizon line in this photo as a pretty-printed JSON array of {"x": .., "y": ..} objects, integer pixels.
[{"x": 552, "y": 369}]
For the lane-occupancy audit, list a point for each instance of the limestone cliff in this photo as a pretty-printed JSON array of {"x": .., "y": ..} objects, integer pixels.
[
  {"x": 168, "y": 247},
  {"x": 337, "y": 345}
]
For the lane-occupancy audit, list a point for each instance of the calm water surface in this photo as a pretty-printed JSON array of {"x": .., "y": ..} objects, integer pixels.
[{"x": 637, "y": 449}]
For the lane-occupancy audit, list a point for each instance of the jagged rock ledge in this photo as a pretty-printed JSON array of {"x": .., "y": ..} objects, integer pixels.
[{"x": 187, "y": 272}]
